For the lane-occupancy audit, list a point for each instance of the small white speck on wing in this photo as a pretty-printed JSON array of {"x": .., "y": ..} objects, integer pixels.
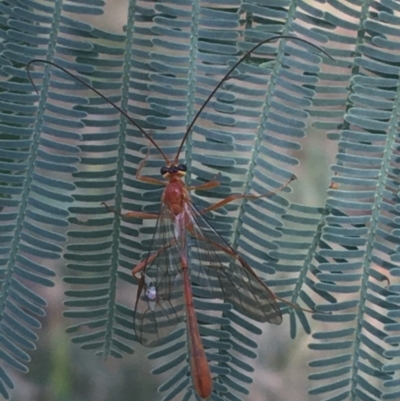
[{"x": 151, "y": 291}]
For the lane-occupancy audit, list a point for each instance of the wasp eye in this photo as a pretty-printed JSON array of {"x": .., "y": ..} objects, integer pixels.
[
  {"x": 164, "y": 170},
  {"x": 182, "y": 167}
]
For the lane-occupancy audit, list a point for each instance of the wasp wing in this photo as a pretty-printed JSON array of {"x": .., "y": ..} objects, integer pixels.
[
  {"x": 214, "y": 263},
  {"x": 160, "y": 301},
  {"x": 214, "y": 266}
]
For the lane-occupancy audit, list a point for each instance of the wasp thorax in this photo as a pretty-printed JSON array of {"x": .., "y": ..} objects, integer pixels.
[{"x": 167, "y": 171}]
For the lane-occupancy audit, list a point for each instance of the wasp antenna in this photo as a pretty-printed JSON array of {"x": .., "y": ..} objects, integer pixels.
[
  {"x": 227, "y": 75},
  {"x": 133, "y": 122}
]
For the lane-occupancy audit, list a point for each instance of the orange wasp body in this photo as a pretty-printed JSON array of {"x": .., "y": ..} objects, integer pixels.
[
  {"x": 160, "y": 305},
  {"x": 176, "y": 198},
  {"x": 190, "y": 251}
]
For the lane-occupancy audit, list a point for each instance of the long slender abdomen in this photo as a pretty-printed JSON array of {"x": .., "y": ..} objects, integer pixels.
[{"x": 200, "y": 370}]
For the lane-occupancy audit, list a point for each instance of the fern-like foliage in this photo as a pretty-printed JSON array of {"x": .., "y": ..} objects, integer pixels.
[
  {"x": 359, "y": 252},
  {"x": 65, "y": 151}
]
